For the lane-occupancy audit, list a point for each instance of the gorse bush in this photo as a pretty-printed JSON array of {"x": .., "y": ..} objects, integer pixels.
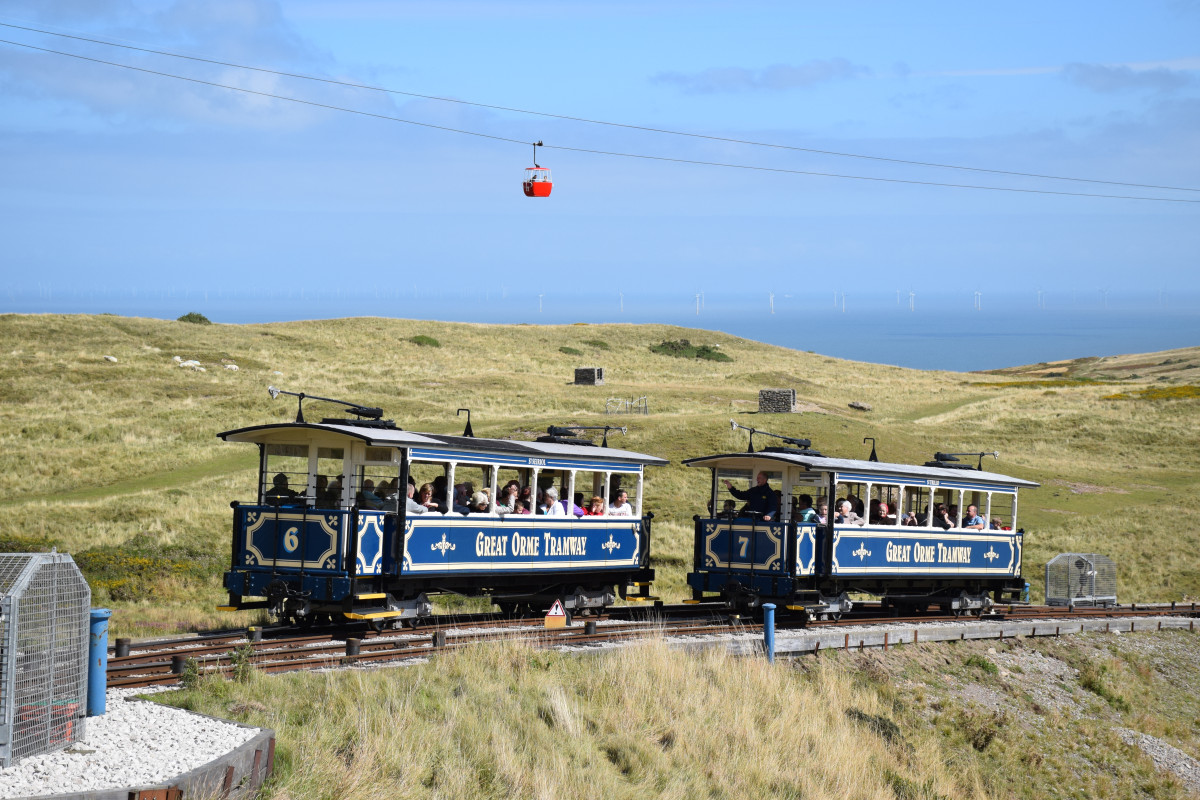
[
  {"x": 682, "y": 348},
  {"x": 599, "y": 344},
  {"x": 571, "y": 351},
  {"x": 196, "y": 318},
  {"x": 425, "y": 341}
]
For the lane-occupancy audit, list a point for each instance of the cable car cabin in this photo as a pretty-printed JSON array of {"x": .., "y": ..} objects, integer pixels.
[
  {"x": 899, "y": 547},
  {"x": 329, "y": 532},
  {"x": 537, "y": 182}
]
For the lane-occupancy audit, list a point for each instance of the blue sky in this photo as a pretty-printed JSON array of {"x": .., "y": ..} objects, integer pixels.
[{"x": 117, "y": 180}]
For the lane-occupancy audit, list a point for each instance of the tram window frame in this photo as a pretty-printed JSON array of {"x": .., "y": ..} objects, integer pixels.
[
  {"x": 479, "y": 476},
  {"x": 814, "y": 488},
  {"x": 423, "y": 472},
  {"x": 504, "y": 474},
  {"x": 774, "y": 480},
  {"x": 849, "y": 492},
  {"x": 1003, "y": 505},
  {"x": 917, "y": 499},
  {"x": 893, "y": 491},
  {"x": 330, "y": 464},
  {"x": 291, "y": 460}
]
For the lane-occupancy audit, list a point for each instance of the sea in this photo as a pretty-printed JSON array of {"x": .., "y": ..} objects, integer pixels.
[{"x": 956, "y": 332}]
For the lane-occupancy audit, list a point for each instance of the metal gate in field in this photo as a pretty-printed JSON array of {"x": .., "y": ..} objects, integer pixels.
[
  {"x": 1081, "y": 579},
  {"x": 44, "y": 608}
]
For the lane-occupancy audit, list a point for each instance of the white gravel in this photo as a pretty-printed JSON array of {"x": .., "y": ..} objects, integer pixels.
[{"x": 133, "y": 744}]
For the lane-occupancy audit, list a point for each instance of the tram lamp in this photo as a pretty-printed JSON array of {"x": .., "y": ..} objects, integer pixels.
[
  {"x": 802, "y": 444},
  {"x": 568, "y": 431},
  {"x": 362, "y": 412},
  {"x": 947, "y": 460}
]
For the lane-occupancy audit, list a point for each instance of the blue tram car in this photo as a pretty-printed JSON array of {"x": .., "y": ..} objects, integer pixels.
[
  {"x": 329, "y": 533},
  {"x": 941, "y": 535}
]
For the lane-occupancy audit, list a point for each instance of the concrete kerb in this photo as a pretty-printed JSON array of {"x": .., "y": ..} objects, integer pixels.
[{"x": 795, "y": 643}]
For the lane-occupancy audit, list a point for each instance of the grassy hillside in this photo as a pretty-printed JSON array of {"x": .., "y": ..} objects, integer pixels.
[{"x": 117, "y": 461}]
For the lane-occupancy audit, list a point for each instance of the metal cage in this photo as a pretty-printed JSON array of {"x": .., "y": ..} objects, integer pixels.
[
  {"x": 44, "y": 608},
  {"x": 1081, "y": 579}
]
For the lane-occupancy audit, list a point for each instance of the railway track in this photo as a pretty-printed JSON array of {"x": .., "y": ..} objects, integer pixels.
[{"x": 284, "y": 649}]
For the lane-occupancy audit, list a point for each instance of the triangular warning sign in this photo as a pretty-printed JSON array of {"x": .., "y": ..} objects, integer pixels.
[{"x": 556, "y": 617}]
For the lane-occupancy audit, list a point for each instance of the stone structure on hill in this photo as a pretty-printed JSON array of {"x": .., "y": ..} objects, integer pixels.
[
  {"x": 589, "y": 376},
  {"x": 776, "y": 401}
]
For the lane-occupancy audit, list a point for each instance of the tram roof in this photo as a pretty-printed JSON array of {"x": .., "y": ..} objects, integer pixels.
[
  {"x": 851, "y": 466},
  {"x": 394, "y": 437}
]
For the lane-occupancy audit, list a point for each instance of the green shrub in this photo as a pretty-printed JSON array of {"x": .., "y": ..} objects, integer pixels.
[
  {"x": 682, "y": 348},
  {"x": 983, "y": 663},
  {"x": 571, "y": 351},
  {"x": 195, "y": 317},
  {"x": 599, "y": 344},
  {"x": 425, "y": 341},
  {"x": 243, "y": 668}
]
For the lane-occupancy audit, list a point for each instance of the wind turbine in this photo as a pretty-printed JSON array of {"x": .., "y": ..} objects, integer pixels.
[
  {"x": 1104, "y": 297},
  {"x": 540, "y": 296},
  {"x": 621, "y": 299},
  {"x": 1040, "y": 302},
  {"x": 697, "y": 304},
  {"x": 912, "y": 300},
  {"x": 979, "y": 301},
  {"x": 771, "y": 296}
]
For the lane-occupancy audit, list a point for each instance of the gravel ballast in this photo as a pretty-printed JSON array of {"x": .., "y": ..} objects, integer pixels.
[{"x": 134, "y": 744}]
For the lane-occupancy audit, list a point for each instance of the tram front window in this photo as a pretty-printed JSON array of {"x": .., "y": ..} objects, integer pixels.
[{"x": 284, "y": 480}]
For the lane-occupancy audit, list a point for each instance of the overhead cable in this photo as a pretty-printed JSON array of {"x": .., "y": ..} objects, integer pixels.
[
  {"x": 586, "y": 150},
  {"x": 650, "y": 129}
]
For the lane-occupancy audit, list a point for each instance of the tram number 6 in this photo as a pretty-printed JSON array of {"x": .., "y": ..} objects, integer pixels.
[
  {"x": 744, "y": 541},
  {"x": 291, "y": 539}
]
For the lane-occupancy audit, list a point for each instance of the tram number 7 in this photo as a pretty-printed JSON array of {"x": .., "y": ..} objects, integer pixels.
[{"x": 744, "y": 542}]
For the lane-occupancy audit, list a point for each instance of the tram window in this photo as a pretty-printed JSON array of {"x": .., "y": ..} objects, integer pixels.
[
  {"x": 949, "y": 499},
  {"x": 432, "y": 473},
  {"x": 883, "y": 494},
  {"x": 813, "y": 492},
  {"x": 327, "y": 486},
  {"x": 1001, "y": 516},
  {"x": 589, "y": 484},
  {"x": 854, "y": 493},
  {"x": 469, "y": 480},
  {"x": 916, "y": 506},
  {"x": 504, "y": 476},
  {"x": 742, "y": 479},
  {"x": 285, "y": 476},
  {"x": 373, "y": 485}
]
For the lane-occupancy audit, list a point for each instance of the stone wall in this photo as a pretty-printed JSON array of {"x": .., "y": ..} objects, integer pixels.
[
  {"x": 589, "y": 376},
  {"x": 776, "y": 401}
]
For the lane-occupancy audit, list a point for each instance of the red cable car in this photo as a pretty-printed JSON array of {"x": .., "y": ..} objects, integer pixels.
[{"x": 537, "y": 178}]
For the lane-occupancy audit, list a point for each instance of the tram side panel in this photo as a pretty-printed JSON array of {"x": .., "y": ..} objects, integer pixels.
[{"x": 745, "y": 555}]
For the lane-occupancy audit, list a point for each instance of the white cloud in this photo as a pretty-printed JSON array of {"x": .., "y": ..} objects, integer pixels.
[{"x": 777, "y": 77}]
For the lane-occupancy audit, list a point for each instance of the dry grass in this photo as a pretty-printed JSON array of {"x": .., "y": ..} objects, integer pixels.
[{"x": 507, "y": 721}]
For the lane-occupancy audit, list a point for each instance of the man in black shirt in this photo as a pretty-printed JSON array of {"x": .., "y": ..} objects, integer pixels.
[{"x": 760, "y": 498}]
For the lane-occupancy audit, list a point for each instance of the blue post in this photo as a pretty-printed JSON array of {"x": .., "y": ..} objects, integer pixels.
[
  {"x": 1025, "y": 593},
  {"x": 769, "y": 630},
  {"x": 98, "y": 662}
]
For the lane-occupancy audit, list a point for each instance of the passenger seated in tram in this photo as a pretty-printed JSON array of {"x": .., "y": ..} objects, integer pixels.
[
  {"x": 411, "y": 505},
  {"x": 320, "y": 489},
  {"x": 996, "y": 525},
  {"x": 973, "y": 520},
  {"x": 596, "y": 507},
  {"x": 576, "y": 508},
  {"x": 881, "y": 514},
  {"x": 279, "y": 494},
  {"x": 847, "y": 516},
  {"x": 506, "y": 503},
  {"x": 425, "y": 498},
  {"x": 941, "y": 517},
  {"x": 480, "y": 503},
  {"x": 910, "y": 519},
  {"x": 804, "y": 512},
  {"x": 620, "y": 506},
  {"x": 822, "y": 511},
  {"x": 550, "y": 506},
  {"x": 333, "y": 496},
  {"x": 439, "y": 493},
  {"x": 367, "y": 498},
  {"x": 729, "y": 509},
  {"x": 952, "y": 513}
]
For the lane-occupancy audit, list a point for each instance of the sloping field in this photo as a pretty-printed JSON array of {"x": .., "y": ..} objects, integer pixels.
[{"x": 117, "y": 461}]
